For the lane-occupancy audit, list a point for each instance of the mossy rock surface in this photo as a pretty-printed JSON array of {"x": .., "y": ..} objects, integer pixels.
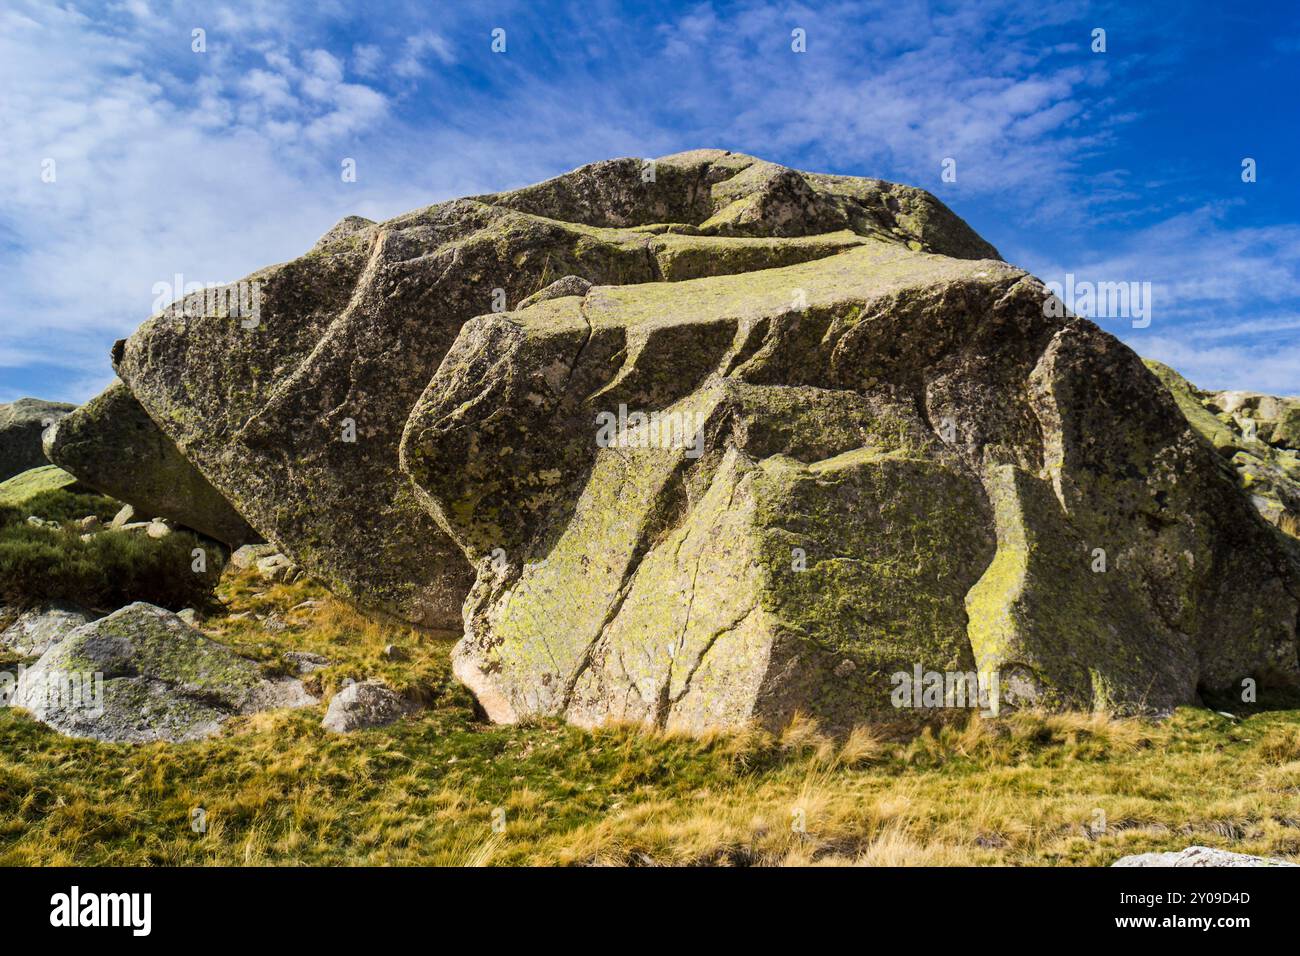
[
  {"x": 142, "y": 674},
  {"x": 23, "y": 487},
  {"x": 902, "y": 462},
  {"x": 1258, "y": 434},
  {"x": 296, "y": 417}
]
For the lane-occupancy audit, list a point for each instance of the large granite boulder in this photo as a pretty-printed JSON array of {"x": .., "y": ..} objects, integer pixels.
[
  {"x": 21, "y": 425},
  {"x": 142, "y": 674},
  {"x": 112, "y": 445},
  {"x": 292, "y": 400},
  {"x": 706, "y": 440},
  {"x": 740, "y": 496}
]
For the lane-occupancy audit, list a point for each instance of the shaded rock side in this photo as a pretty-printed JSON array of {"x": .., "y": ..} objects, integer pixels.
[
  {"x": 827, "y": 474},
  {"x": 112, "y": 445},
  {"x": 142, "y": 674},
  {"x": 295, "y": 415},
  {"x": 21, "y": 426}
]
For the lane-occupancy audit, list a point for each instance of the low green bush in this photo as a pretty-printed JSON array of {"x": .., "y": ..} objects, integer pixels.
[{"x": 106, "y": 571}]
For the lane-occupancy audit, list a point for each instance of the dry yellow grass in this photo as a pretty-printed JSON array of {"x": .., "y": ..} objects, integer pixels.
[{"x": 446, "y": 788}]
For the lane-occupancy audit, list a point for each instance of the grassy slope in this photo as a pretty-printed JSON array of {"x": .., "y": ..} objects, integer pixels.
[{"x": 277, "y": 789}]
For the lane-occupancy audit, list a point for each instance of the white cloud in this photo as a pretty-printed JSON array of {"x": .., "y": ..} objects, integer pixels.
[{"x": 412, "y": 63}]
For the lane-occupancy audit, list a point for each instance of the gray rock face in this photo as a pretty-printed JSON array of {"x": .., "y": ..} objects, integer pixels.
[
  {"x": 849, "y": 442},
  {"x": 112, "y": 445},
  {"x": 142, "y": 674},
  {"x": 39, "y": 629},
  {"x": 1199, "y": 856},
  {"x": 367, "y": 704},
  {"x": 21, "y": 425},
  {"x": 276, "y": 568},
  {"x": 297, "y": 419}
]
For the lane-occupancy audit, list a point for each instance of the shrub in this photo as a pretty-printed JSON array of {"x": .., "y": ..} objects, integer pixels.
[
  {"x": 60, "y": 504},
  {"x": 106, "y": 571}
]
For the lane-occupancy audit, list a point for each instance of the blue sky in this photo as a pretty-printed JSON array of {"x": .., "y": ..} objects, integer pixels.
[{"x": 1123, "y": 165}]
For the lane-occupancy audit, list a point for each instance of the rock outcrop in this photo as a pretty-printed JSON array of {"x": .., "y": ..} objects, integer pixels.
[
  {"x": 112, "y": 445},
  {"x": 717, "y": 441},
  {"x": 143, "y": 674},
  {"x": 21, "y": 425},
  {"x": 1259, "y": 435}
]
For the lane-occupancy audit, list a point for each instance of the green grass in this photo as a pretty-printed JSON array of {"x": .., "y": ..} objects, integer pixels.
[
  {"x": 105, "y": 572},
  {"x": 1024, "y": 789},
  {"x": 52, "y": 494}
]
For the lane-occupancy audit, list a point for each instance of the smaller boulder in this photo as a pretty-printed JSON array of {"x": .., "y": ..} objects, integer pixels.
[
  {"x": 90, "y": 523},
  {"x": 40, "y": 628},
  {"x": 159, "y": 528},
  {"x": 305, "y": 662},
  {"x": 1199, "y": 856},
  {"x": 247, "y": 557},
  {"x": 21, "y": 425},
  {"x": 276, "y": 568},
  {"x": 123, "y": 517},
  {"x": 367, "y": 704},
  {"x": 142, "y": 674}
]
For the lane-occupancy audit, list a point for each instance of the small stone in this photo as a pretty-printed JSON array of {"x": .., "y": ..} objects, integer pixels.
[
  {"x": 159, "y": 528},
  {"x": 305, "y": 662},
  {"x": 275, "y": 568},
  {"x": 189, "y": 616},
  {"x": 368, "y": 704},
  {"x": 247, "y": 556},
  {"x": 123, "y": 517},
  {"x": 394, "y": 653},
  {"x": 90, "y": 523}
]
